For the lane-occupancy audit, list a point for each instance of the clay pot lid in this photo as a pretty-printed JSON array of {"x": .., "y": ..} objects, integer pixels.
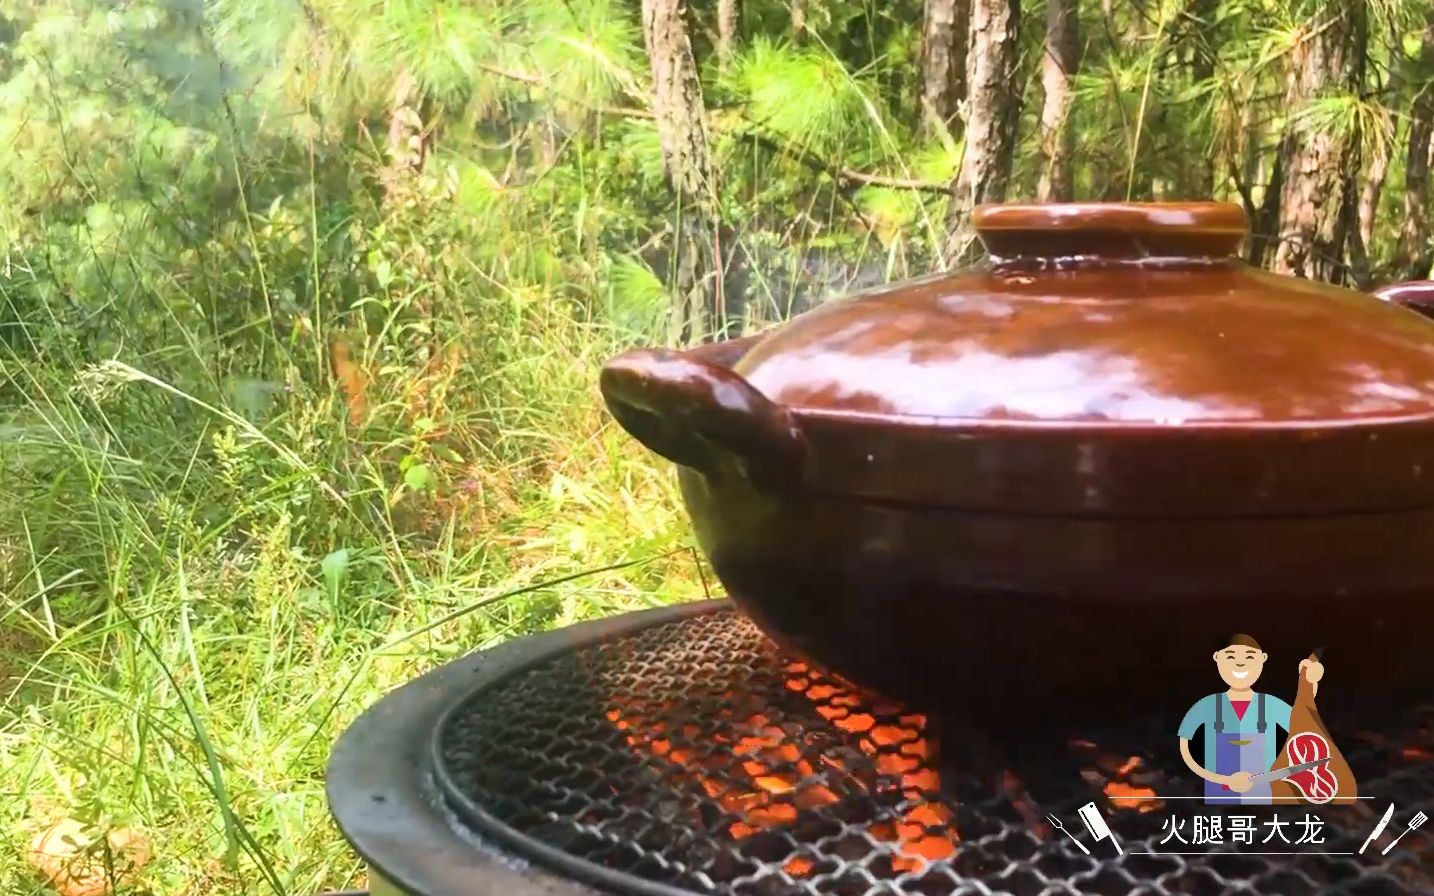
[{"x": 1126, "y": 314}]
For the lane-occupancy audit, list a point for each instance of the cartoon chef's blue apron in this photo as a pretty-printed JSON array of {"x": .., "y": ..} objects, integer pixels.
[{"x": 1238, "y": 738}]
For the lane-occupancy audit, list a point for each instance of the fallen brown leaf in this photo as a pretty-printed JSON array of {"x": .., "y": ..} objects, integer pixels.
[
  {"x": 76, "y": 863},
  {"x": 353, "y": 379}
]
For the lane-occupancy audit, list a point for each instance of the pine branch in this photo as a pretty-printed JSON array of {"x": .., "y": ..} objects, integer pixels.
[
  {"x": 844, "y": 176},
  {"x": 535, "y": 81}
]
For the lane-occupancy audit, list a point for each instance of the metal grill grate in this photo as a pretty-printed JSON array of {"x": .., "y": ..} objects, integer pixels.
[{"x": 693, "y": 756}]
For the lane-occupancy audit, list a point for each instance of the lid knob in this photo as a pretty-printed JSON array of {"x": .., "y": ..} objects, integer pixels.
[{"x": 1110, "y": 230}]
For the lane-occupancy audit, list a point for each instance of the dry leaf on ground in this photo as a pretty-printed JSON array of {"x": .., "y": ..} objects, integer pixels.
[{"x": 76, "y": 863}]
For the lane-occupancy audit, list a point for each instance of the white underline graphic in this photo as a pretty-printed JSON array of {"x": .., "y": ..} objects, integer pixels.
[
  {"x": 1221, "y": 799},
  {"x": 1241, "y": 853}
]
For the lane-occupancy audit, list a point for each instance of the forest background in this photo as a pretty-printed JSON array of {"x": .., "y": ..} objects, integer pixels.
[{"x": 302, "y": 304}]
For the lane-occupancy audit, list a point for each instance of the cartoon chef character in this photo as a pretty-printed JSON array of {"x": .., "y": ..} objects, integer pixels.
[{"x": 1239, "y": 726}]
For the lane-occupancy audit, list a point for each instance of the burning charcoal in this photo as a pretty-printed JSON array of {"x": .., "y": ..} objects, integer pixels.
[{"x": 636, "y": 773}]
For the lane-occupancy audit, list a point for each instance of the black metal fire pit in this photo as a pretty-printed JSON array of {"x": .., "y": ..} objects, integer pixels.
[{"x": 677, "y": 751}]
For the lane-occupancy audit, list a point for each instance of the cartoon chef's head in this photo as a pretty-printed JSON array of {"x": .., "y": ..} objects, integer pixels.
[{"x": 1241, "y": 662}]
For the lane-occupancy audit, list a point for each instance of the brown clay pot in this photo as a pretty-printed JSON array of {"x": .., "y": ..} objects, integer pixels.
[
  {"x": 1416, "y": 295},
  {"x": 1059, "y": 481}
]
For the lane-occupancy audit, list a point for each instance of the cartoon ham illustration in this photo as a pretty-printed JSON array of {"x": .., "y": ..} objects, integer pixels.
[
  {"x": 1238, "y": 734},
  {"x": 1329, "y": 780}
]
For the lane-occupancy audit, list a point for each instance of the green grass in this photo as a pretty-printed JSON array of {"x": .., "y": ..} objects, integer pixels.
[
  {"x": 196, "y": 605},
  {"x": 212, "y": 559}
]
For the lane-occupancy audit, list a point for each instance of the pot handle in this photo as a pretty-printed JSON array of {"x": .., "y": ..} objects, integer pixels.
[{"x": 694, "y": 410}]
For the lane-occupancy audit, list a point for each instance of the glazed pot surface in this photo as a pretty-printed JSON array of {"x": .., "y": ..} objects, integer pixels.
[
  {"x": 1066, "y": 472},
  {"x": 1016, "y": 622},
  {"x": 1416, "y": 295},
  {"x": 1218, "y": 342},
  {"x": 1123, "y": 313},
  {"x": 1069, "y": 374}
]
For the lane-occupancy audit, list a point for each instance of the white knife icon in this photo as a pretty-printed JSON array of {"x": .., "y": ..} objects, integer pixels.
[
  {"x": 1378, "y": 829},
  {"x": 1095, "y": 823}
]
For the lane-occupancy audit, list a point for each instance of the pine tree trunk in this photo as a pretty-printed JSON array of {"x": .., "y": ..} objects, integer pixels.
[
  {"x": 1415, "y": 255},
  {"x": 994, "y": 106},
  {"x": 944, "y": 31},
  {"x": 678, "y": 110},
  {"x": 407, "y": 144},
  {"x": 728, "y": 19},
  {"x": 1122, "y": 34},
  {"x": 1369, "y": 193},
  {"x": 1202, "y": 71},
  {"x": 1265, "y": 218},
  {"x": 1058, "y": 68},
  {"x": 1318, "y": 197}
]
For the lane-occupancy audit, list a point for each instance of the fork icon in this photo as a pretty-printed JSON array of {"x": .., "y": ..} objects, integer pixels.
[
  {"x": 1418, "y": 819},
  {"x": 1056, "y": 823}
]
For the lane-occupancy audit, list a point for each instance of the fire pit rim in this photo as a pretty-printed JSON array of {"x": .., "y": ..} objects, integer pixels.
[
  {"x": 417, "y": 824},
  {"x": 484, "y": 822},
  {"x": 381, "y": 786}
]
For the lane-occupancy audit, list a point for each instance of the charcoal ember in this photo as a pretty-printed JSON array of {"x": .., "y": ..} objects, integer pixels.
[{"x": 695, "y": 755}]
